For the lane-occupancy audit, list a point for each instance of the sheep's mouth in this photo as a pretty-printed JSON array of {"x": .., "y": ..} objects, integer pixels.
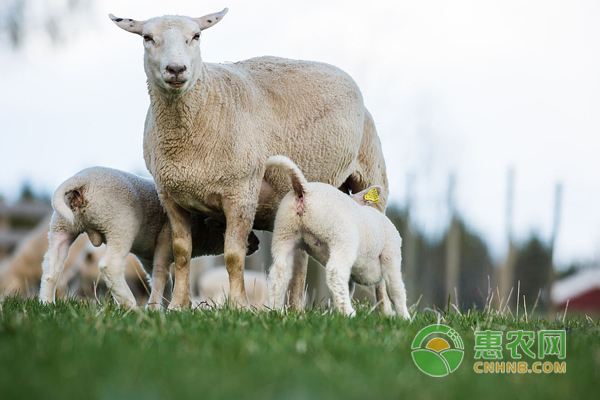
[{"x": 176, "y": 84}]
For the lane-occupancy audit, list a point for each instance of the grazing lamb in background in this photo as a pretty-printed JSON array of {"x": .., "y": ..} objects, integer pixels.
[
  {"x": 213, "y": 287},
  {"x": 21, "y": 272},
  {"x": 123, "y": 211},
  {"x": 85, "y": 280},
  {"x": 211, "y": 127},
  {"x": 354, "y": 242}
]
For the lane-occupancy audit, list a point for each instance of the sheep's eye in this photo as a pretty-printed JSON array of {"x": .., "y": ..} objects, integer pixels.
[
  {"x": 148, "y": 38},
  {"x": 196, "y": 36}
]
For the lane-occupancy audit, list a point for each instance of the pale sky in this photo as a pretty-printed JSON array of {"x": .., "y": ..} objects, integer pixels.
[{"x": 465, "y": 87}]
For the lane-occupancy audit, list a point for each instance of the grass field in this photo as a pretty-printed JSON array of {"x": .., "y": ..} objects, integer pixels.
[{"x": 76, "y": 350}]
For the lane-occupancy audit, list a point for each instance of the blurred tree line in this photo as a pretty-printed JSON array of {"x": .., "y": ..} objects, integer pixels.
[{"x": 425, "y": 266}]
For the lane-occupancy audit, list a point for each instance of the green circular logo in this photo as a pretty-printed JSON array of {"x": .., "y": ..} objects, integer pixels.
[{"x": 437, "y": 350}]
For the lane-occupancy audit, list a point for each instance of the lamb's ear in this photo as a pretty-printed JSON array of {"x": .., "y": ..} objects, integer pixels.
[
  {"x": 368, "y": 196},
  {"x": 209, "y": 20},
  {"x": 128, "y": 24}
]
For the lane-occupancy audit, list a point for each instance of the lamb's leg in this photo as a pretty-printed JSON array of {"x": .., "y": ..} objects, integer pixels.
[
  {"x": 240, "y": 217},
  {"x": 280, "y": 272},
  {"x": 382, "y": 298},
  {"x": 296, "y": 286},
  {"x": 160, "y": 280},
  {"x": 395, "y": 286},
  {"x": 54, "y": 262},
  {"x": 337, "y": 273},
  {"x": 181, "y": 227},
  {"x": 112, "y": 269},
  {"x": 161, "y": 274}
]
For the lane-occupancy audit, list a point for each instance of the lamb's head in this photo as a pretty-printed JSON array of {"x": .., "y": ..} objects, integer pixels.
[{"x": 172, "y": 53}]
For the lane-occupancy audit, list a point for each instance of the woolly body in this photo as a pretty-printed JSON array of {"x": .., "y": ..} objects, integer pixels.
[{"x": 211, "y": 127}]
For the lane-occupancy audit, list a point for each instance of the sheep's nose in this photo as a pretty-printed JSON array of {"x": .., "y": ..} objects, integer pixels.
[{"x": 176, "y": 69}]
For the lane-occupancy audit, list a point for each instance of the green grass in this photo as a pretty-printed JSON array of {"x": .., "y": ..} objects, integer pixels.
[{"x": 75, "y": 350}]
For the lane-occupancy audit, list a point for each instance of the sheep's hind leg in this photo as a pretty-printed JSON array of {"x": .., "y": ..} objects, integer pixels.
[
  {"x": 337, "y": 276},
  {"x": 382, "y": 299},
  {"x": 395, "y": 286},
  {"x": 280, "y": 273},
  {"x": 112, "y": 269},
  {"x": 54, "y": 262},
  {"x": 296, "y": 286}
]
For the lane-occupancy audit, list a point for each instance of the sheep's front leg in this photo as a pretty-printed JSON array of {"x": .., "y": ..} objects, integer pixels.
[
  {"x": 240, "y": 217},
  {"x": 112, "y": 269},
  {"x": 54, "y": 262},
  {"x": 181, "y": 232}
]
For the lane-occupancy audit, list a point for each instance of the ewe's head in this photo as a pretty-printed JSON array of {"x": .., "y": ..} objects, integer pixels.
[{"x": 172, "y": 53}]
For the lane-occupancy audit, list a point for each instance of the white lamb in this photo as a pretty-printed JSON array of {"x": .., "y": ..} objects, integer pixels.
[
  {"x": 355, "y": 242},
  {"x": 211, "y": 127},
  {"x": 123, "y": 211}
]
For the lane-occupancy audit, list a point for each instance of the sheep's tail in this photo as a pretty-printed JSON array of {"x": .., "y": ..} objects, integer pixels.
[
  {"x": 299, "y": 182},
  {"x": 72, "y": 187}
]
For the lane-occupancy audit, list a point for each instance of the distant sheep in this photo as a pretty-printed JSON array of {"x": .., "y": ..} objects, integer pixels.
[
  {"x": 123, "y": 211},
  {"x": 21, "y": 272},
  {"x": 85, "y": 280},
  {"x": 211, "y": 127},
  {"x": 354, "y": 242}
]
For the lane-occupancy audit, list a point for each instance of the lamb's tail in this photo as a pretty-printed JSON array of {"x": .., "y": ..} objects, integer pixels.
[
  {"x": 70, "y": 192},
  {"x": 299, "y": 182}
]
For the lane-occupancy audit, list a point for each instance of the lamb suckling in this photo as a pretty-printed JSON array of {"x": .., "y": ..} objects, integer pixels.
[
  {"x": 123, "y": 211},
  {"x": 355, "y": 242}
]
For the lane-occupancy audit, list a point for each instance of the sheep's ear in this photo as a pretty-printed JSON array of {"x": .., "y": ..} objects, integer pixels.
[
  {"x": 209, "y": 20},
  {"x": 368, "y": 196},
  {"x": 128, "y": 24}
]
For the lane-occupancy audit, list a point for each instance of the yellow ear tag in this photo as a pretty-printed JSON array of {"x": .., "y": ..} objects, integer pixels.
[{"x": 372, "y": 195}]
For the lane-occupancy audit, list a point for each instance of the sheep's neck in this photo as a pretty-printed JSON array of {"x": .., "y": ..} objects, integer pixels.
[{"x": 183, "y": 116}]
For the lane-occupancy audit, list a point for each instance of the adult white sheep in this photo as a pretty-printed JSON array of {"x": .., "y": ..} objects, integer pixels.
[{"x": 211, "y": 127}]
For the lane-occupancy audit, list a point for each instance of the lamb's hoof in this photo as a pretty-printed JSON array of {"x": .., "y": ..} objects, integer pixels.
[{"x": 351, "y": 312}]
